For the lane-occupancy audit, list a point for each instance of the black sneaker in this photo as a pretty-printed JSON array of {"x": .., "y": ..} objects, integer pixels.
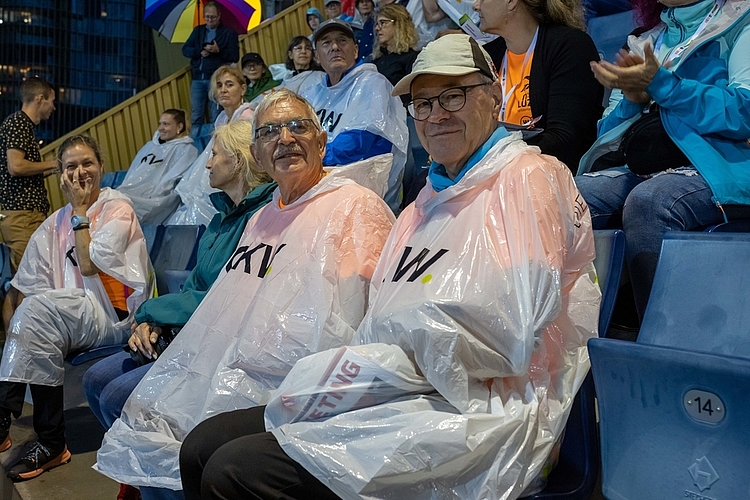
[
  {"x": 38, "y": 459},
  {"x": 5, "y": 442}
]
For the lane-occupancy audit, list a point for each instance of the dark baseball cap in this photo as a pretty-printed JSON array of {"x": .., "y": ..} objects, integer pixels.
[
  {"x": 331, "y": 25},
  {"x": 252, "y": 57}
]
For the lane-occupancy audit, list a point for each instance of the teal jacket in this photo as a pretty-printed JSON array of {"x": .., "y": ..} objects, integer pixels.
[
  {"x": 214, "y": 249},
  {"x": 705, "y": 101}
]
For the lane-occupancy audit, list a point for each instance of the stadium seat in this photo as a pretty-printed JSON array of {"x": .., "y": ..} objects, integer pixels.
[
  {"x": 575, "y": 476},
  {"x": 119, "y": 177},
  {"x": 610, "y": 33},
  {"x": 108, "y": 179},
  {"x": 175, "y": 248},
  {"x": 673, "y": 406},
  {"x": 609, "y": 263},
  {"x": 176, "y": 279}
]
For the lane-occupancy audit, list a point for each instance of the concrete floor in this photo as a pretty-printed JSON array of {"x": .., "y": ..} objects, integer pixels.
[{"x": 75, "y": 480}]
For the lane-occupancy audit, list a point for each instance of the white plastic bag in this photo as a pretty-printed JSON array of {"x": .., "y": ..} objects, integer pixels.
[
  {"x": 488, "y": 289},
  {"x": 297, "y": 283}
]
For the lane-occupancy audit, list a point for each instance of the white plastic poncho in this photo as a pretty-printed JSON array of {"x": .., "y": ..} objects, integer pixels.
[
  {"x": 63, "y": 310},
  {"x": 362, "y": 100},
  {"x": 152, "y": 177},
  {"x": 297, "y": 284},
  {"x": 194, "y": 189},
  {"x": 459, "y": 381},
  {"x": 296, "y": 83}
]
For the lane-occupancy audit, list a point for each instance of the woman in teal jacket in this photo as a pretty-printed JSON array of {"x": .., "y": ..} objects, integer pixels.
[
  {"x": 693, "y": 65},
  {"x": 244, "y": 190}
]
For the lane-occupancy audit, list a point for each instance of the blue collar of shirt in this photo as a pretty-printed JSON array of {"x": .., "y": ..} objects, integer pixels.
[
  {"x": 328, "y": 79},
  {"x": 438, "y": 175}
]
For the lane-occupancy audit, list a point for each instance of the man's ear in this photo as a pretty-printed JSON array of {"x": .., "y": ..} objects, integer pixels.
[
  {"x": 497, "y": 99},
  {"x": 322, "y": 141}
]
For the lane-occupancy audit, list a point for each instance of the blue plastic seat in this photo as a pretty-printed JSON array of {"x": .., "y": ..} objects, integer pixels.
[
  {"x": 660, "y": 438},
  {"x": 108, "y": 179},
  {"x": 574, "y": 477},
  {"x": 119, "y": 177},
  {"x": 175, "y": 248}
]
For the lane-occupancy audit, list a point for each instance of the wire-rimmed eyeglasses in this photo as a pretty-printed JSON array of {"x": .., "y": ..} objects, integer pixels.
[{"x": 271, "y": 133}]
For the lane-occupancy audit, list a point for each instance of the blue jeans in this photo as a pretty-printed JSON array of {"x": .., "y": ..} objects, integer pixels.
[
  {"x": 646, "y": 208},
  {"x": 108, "y": 385},
  {"x": 198, "y": 100}
]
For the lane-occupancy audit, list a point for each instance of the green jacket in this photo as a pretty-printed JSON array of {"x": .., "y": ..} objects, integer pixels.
[
  {"x": 266, "y": 82},
  {"x": 214, "y": 249}
]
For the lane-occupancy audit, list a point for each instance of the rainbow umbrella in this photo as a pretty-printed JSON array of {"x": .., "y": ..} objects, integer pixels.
[{"x": 175, "y": 19}]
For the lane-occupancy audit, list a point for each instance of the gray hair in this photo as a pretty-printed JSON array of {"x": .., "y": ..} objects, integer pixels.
[{"x": 284, "y": 94}]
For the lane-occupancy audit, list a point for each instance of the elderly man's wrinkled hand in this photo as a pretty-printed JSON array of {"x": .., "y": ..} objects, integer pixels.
[
  {"x": 632, "y": 74},
  {"x": 143, "y": 339},
  {"x": 77, "y": 192}
]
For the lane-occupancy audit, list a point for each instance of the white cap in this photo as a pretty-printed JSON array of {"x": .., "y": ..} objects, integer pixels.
[{"x": 451, "y": 55}]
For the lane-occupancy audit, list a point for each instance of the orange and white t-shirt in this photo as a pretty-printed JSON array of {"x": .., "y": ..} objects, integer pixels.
[{"x": 518, "y": 105}]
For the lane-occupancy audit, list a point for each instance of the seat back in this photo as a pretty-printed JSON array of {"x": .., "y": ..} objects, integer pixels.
[
  {"x": 610, "y": 33},
  {"x": 119, "y": 177},
  {"x": 176, "y": 247},
  {"x": 700, "y": 300},
  {"x": 610, "y": 257},
  {"x": 108, "y": 179},
  {"x": 673, "y": 422},
  {"x": 577, "y": 471}
]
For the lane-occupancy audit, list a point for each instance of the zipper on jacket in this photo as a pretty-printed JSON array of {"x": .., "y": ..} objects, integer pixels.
[{"x": 718, "y": 205}]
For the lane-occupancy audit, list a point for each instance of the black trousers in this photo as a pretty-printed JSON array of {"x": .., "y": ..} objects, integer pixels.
[
  {"x": 231, "y": 456},
  {"x": 49, "y": 423}
]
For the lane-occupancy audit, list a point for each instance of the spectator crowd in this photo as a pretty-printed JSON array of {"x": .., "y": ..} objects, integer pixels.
[{"x": 362, "y": 322}]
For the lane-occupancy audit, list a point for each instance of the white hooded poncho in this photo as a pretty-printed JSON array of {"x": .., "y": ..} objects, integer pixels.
[
  {"x": 152, "y": 177},
  {"x": 460, "y": 379},
  {"x": 64, "y": 311},
  {"x": 296, "y": 284}
]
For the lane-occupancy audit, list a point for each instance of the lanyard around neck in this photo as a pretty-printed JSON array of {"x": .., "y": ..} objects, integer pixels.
[
  {"x": 504, "y": 73},
  {"x": 677, "y": 52}
]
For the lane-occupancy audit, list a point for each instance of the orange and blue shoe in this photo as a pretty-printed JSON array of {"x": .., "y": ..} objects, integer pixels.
[{"x": 37, "y": 460}]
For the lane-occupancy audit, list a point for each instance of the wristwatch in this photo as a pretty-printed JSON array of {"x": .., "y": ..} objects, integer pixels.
[{"x": 79, "y": 222}]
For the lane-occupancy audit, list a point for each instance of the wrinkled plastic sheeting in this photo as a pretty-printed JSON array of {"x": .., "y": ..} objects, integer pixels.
[
  {"x": 489, "y": 290},
  {"x": 151, "y": 179},
  {"x": 194, "y": 189},
  {"x": 64, "y": 310},
  {"x": 298, "y": 283},
  {"x": 362, "y": 100},
  {"x": 296, "y": 83}
]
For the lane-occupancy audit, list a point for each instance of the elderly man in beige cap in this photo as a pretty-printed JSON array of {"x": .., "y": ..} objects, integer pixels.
[{"x": 460, "y": 378}]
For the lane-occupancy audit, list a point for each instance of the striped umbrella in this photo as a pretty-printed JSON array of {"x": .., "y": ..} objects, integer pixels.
[{"x": 175, "y": 19}]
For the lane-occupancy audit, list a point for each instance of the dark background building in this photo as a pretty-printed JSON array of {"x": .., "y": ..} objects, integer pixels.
[{"x": 95, "y": 53}]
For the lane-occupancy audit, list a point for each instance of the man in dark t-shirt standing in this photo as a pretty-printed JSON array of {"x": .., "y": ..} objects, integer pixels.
[{"x": 23, "y": 197}]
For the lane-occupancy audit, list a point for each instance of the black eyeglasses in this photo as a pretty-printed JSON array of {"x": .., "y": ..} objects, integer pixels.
[
  {"x": 450, "y": 100},
  {"x": 271, "y": 133}
]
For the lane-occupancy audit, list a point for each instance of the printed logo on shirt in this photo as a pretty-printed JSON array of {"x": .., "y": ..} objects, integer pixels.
[
  {"x": 579, "y": 210},
  {"x": 245, "y": 254},
  {"x": 403, "y": 266},
  {"x": 69, "y": 255},
  {"x": 329, "y": 120},
  {"x": 151, "y": 159}
]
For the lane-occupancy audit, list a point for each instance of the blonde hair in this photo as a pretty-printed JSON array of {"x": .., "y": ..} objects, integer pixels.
[
  {"x": 565, "y": 12},
  {"x": 221, "y": 71},
  {"x": 405, "y": 33},
  {"x": 235, "y": 138}
]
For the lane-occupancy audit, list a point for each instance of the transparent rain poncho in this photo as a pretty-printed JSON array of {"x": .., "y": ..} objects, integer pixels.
[
  {"x": 459, "y": 380},
  {"x": 194, "y": 189},
  {"x": 152, "y": 177},
  {"x": 297, "y": 283},
  {"x": 63, "y": 310},
  {"x": 362, "y": 101}
]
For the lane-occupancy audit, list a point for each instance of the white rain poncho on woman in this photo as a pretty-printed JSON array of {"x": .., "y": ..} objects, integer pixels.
[
  {"x": 64, "y": 311},
  {"x": 194, "y": 189},
  {"x": 297, "y": 283},
  {"x": 362, "y": 100},
  {"x": 459, "y": 381},
  {"x": 152, "y": 177}
]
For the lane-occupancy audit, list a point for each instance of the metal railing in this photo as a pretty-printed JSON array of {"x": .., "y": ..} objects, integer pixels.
[{"x": 124, "y": 129}]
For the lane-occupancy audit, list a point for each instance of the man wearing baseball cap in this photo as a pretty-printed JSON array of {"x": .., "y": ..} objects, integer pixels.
[
  {"x": 461, "y": 376},
  {"x": 356, "y": 108}
]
